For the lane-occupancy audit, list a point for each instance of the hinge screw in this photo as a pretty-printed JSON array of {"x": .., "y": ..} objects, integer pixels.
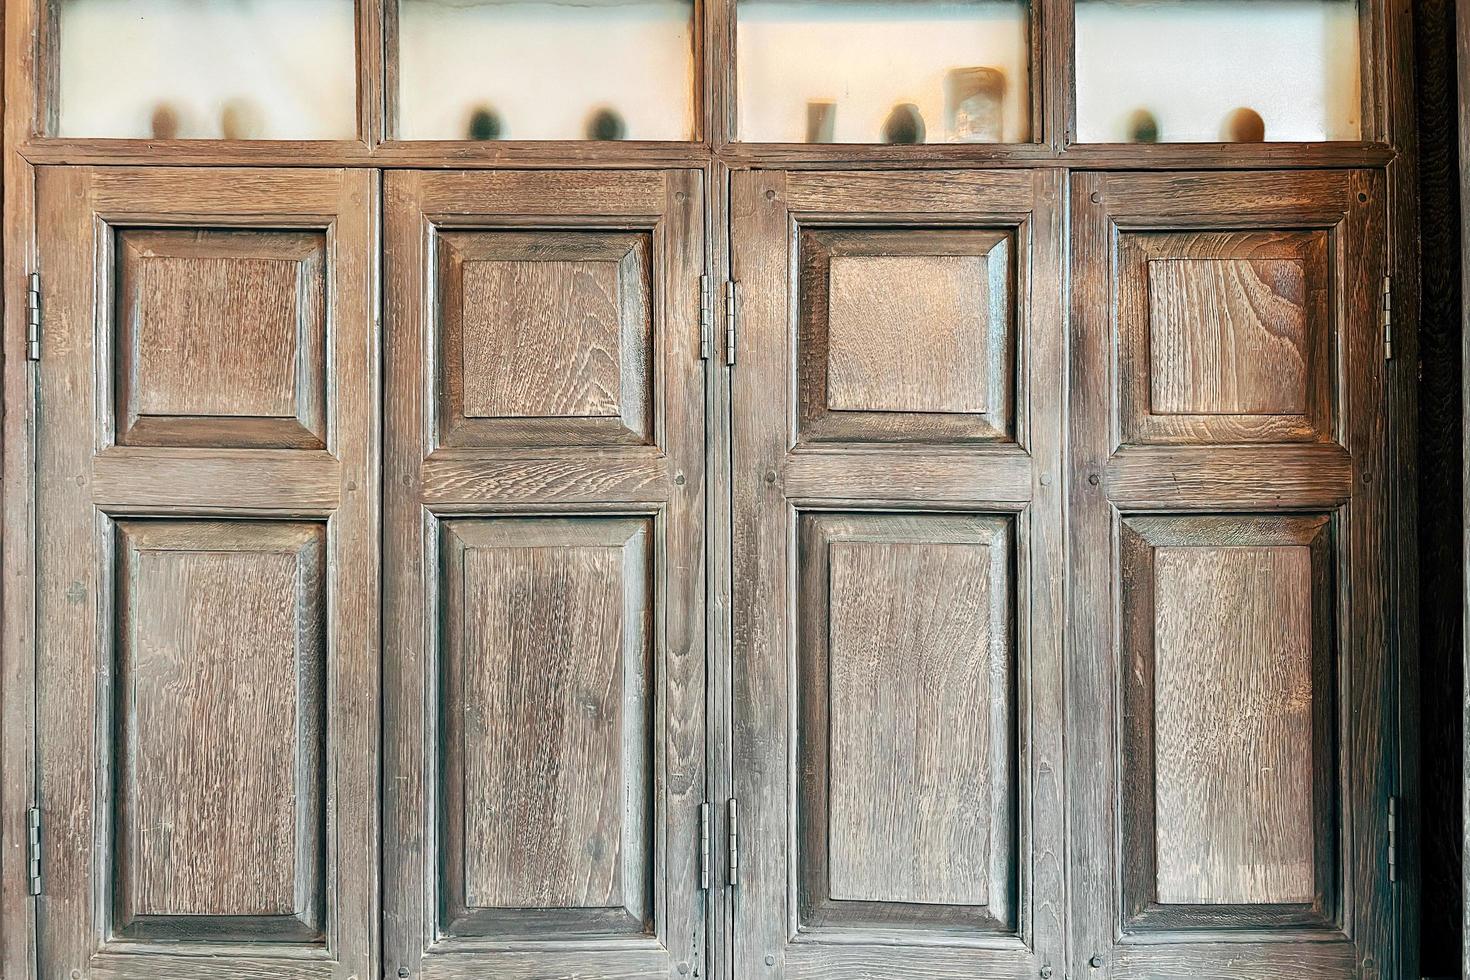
[
  {"x": 403, "y": 971},
  {"x": 1046, "y": 973},
  {"x": 1096, "y": 962}
]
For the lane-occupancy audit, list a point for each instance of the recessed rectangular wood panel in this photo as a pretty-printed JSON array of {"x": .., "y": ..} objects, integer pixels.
[
  {"x": 546, "y": 705},
  {"x": 543, "y": 778},
  {"x": 910, "y": 658},
  {"x": 1233, "y": 725},
  {"x": 219, "y": 728},
  {"x": 545, "y": 336},
  {"x": 907, "y": 806},
  {"x": 906, "y": 334},
  {"x": 1228, "y": 336},
  {"x": 220, "y": 338},
  {"x": 1229, "y": 812}
]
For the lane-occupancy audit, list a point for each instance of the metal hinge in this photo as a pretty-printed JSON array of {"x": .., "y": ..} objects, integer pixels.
[
  {"x": 732, "y": 814},
  {"x": 33, "y": 851},
  {"x": 730, "y": 322},
  {"x": 706, "y": 317},
  {"x": 1387, "y": 313},
  {"x": 1393, "y": 838},
  {"x": 33, "y": 317},
  {"x": 705, "y": 812}
]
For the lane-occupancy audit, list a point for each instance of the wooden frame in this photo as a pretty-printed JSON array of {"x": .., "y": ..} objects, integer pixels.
[
  {"x": 892, "y": 487},
  {"x": 1235, "y": 480},
  {"x": 1052, "y": 100},
  {"x": 1392, "y": 148}
]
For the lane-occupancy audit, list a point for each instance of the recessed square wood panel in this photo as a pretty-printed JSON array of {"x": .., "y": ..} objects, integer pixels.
[
  {"x": 890, "y": 317},
  {"x": 219, "y": 730},
  {"x": 906, "y": 334},
  {"x": 907, "y": 806},
  {"x": 545, "y": 337},
  {"x": 1225, "y": 337},
  {"x": 220, "y": 338},
  {"x": 1227, "y": 625},
  {"x": 546, "y": 707}
]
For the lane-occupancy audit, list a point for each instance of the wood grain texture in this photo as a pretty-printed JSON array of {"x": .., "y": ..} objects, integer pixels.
[
  {"x": 220, "y": 727},
  {"x": 650, "y": 920},
  {"x": 906, "y": 335},
  {"x": 216, "y": 325},
  {"x": 30, "y": 95},
  {"x": 1331, "y": 222},
  {"x": 553, "y": 326},
  {"x": 1204, "y": 478},
  {"x": 142, "y": 479},
  {"x": 544, "y": 337},
  {"x": 547, "y": 701},
  {"x": 793, "y": 496},
  {"x": 906, "y": 816},
  {"x": 1227, "y": 337},
  {"x": 910, "y": 687},
  {"x": 1233, "y": 725},
  {"x": 330, "y": 855}
]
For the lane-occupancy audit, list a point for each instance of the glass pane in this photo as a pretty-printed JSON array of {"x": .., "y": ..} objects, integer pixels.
[
  {"x": 883, "y": 71},
  {"x": 546, "y": 69},
  {"x": 1217, "y": 70},
  {"x": 207, "y": 69}
]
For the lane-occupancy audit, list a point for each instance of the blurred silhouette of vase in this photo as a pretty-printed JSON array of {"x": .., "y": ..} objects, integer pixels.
[
  {"x": 1244, "y": 125},
  {"x": 904, "y": 125},
  {"x": 241, "y": 119},
  {"x": 974, "y": 98},
  {"x": 484, "y": 124},
  {"x": 606, "y": 124},
  {"x": 821, "y": 120}
]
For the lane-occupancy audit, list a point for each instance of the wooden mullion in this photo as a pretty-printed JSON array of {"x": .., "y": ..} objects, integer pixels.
[{"x": 377, "y": 64}]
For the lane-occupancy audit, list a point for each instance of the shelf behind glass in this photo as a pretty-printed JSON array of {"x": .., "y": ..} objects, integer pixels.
[
  {"x": 1178, "y": 71},
  {"x": 883, "y": 71},
  {"x": 547, "y": 70},
  {"x": 206, "y": 69}
]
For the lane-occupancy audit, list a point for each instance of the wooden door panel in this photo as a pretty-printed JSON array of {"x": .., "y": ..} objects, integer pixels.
[
  {"x": 221, "y": 629},
  {"x": 544, "y": 336},
  {"x": 547, "y": 696},
  {"x": 207, "y": 695},
  {"x": 906, "y": 804},
  {"x": 1225, "y": 336},
  {"x": 544, "y": 612},
  {"x": 906, "y": 335},
  {"x": 896, "y": 539},
  {"x": 1228, "y": 633},
  {"x": 221, "y": 337},
  {"x": 1231, "y": 720}
]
